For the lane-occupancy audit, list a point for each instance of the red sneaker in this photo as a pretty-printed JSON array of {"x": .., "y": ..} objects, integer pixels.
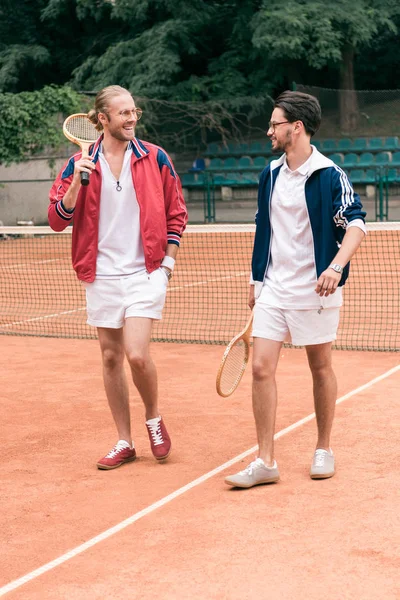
[
  {"x": 120, "y": 454},
  {"x": 159, "y": 439}
]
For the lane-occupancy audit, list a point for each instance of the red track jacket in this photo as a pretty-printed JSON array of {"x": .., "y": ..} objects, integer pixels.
[{"x": 163, "y": 214}]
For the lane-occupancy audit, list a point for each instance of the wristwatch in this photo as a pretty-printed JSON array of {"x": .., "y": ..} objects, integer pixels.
[
  {"x": 167, "y": 271},
  {"x": 336, "y": 268}
]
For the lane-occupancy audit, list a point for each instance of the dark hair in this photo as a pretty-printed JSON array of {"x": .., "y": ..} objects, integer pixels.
[{"x": 300, "y": 107}]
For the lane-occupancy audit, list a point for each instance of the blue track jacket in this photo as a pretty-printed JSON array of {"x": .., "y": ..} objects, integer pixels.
[{"x": 331, "y": 204}]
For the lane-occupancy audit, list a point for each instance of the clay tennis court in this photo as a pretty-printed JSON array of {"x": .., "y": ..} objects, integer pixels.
[{"x": 175, "y": 530}]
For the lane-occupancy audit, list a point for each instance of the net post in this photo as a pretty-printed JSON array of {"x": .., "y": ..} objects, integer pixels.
[
  {"x": 209, "y": 200},
  {"x": 387, "y": 193},
  {"x": 380, "y": 216}
]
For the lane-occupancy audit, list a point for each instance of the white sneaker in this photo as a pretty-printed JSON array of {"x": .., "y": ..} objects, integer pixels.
[
  {"x": 255, "y": 474},
  {"x": 323, "y": 464}
]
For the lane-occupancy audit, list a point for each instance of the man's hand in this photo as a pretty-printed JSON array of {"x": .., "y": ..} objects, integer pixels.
[
  {"x": 251, "y": 297},
  {"x": 84, "y": 165},
  {"x": 328, "y": 282}
]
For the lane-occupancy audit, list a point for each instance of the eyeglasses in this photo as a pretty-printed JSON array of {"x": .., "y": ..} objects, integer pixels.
[
  {"x": 126, "y": 115},
  {"x": 272, "y": 125}
]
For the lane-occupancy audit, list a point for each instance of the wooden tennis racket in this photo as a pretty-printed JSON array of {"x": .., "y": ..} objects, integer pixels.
[
  {"x": 79, "y": 130},
  {"x": 234, "y": 361}
]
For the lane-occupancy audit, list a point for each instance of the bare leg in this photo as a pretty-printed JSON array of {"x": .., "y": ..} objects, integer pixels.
[
  {"x": 265, "y": 362},
  {"x": 115, "y": 382},
  {"x": 137, "y": 334},
  {"x": 325, "y": 390}
]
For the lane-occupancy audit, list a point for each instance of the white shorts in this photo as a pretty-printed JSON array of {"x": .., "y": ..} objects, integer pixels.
[
  {"x": 110, "y": 301},
  {"x": 300, "y": 327}
]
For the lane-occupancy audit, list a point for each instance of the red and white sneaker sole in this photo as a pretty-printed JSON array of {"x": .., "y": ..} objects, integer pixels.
[
  {"x": 109, "y": 467},
  {"x": 163, "y": 457}
]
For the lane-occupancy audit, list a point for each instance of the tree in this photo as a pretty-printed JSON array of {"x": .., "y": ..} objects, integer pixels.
[
  {"x": 43, "y": 41},
  {"x": 32, "y": 121},
  {"x": 322, "y": 32}
]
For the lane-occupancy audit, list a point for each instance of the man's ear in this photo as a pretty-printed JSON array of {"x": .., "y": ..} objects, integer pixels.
[{"x": 102, "y": 118}]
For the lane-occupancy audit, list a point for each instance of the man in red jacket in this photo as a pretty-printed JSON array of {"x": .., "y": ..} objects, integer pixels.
[{"x": 127, "y": 227}]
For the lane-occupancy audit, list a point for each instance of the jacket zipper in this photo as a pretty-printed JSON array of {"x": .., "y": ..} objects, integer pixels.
[
  {"x": 270, "y": 237},
  {"x": 321, "y": 308}
]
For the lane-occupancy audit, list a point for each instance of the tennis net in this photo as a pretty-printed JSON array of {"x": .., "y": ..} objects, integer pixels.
[{"x": 207, "y": 297}]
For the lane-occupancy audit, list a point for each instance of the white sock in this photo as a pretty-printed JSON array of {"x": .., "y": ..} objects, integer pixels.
[
  {"x": 125, "y": 444},
  {"x": 153, "y": 421}
]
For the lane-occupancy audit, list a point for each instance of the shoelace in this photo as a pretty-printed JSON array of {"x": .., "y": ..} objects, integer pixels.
[
  {"x": 252, "y": 467},
  {"x": 117, "y": 448},
  {"x": 156, "y": 434},
  {"x": 320, "y": 458}
]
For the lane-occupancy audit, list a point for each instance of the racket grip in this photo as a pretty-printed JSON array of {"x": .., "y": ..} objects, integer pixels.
[{"x": 84, "y": 178}]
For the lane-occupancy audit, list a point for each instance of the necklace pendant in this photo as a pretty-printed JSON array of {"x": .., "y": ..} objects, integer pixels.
[{"x": 118, "y": 188}]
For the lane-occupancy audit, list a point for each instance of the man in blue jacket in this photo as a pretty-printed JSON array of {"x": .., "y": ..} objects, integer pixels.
[{"x": 309, "y": 224}]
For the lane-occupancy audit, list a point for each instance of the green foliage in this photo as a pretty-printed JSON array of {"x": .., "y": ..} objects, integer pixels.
[
  {"x": 194, "y": 50},
  {"x": 32, "y": 121},
  {"x": 220, "y": 57},
  {"x": 317, "y": 31},
  {"x": 176, "y": 124},
  {"x": 18, "y": 59},
  {"x": 146, "y": 64}
]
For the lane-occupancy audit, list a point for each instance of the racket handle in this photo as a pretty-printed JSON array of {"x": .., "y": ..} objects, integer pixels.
[{"x": 84, "y": 178}]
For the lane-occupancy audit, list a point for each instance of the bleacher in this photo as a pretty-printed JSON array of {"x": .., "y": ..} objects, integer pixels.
[{"x": 367, "y": 161}]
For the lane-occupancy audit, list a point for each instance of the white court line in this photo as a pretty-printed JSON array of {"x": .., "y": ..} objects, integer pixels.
[
  {"x": 65, "y": 312},
  {"x": 13, "y": 585},
  {"x": 32, "y": 263}
]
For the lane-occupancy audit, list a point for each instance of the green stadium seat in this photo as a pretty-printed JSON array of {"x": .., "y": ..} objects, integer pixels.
[
  {"x": 357, "y": 176},
  {"x": 215, "y": 164},
  {"x": 191, "y": 180},
  {"x": 359, "y": 145},
  {"x": 213, "y": 149},
  {"x": 188, "y": 179},
  {"x": 229, "y": 164},
  {"x": 396, "y": 159},
  {"x": 371, "y": 176},
  {"x": 366, "y": 159},
  {"x": 228, "y": 149},
  {"x": 337, "y": 158},
  {"x": 241, "y": 149},
  {"x": 316, "y": 143},
  {"x": 250, "y": 179},
  {"x": 375, "y": 144},
  {"x": 259, "y": 162},
  {"x": 329, "y": 145},
  {"x": 245, "y": 163},
  {"x": 350, "y": 160},
  {"x": 393, "y": 176},
  {"x": 344, "y": 145},
  {"x": 391, "y": 144},
  {"x": 267, "y": 147},
  {"x": 232, "y": 179},
  {"x": 219, "y": 180},
  {"x": 383, "y": 158},
  {"x": 255, "y": 148}
]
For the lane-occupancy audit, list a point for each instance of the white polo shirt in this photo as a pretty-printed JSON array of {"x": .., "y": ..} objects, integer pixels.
[
  {"x": 291, "y": 275},
  {"x": 120, "y": 248}
]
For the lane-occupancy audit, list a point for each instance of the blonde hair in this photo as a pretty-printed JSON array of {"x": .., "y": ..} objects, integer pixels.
[{"x": 101, "y": 103}]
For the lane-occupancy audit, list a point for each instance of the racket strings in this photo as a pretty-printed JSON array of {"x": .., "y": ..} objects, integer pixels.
[
  {"x": 234, "y": 366},
  {"x": 82, "y": 129}
]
